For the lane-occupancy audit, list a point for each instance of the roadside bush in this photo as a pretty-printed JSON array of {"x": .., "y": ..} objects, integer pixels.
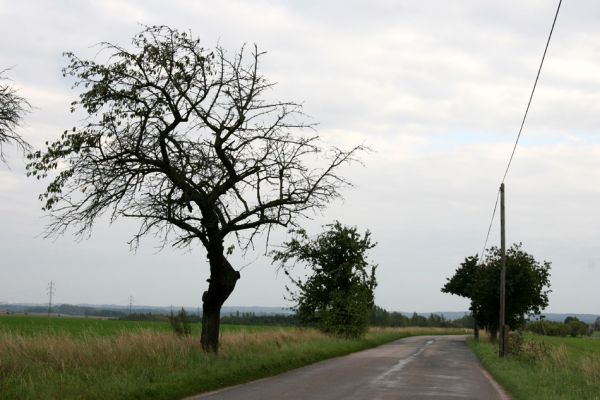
[
  {"x": 523, "y": 347},
  {"x": 571, "y": 327},
  {"x": 548, "y": 328},
  {"x": 181, "y": 323},
  {"x": 514, "y": 343}
]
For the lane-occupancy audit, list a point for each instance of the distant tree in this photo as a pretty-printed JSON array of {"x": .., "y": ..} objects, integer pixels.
[
  {"x": 576, "y": 327},
  {"x": 12, "y": 109},
  {"x": 466, "y": 321},
  {"x": 569, "y": 319},
  {"x": 527, "y": 287},
  {"x": 547, "y": 328},
  {"x": 338, "y": 295},
  {"x": 596, "y": 324},
  {"x": 417, "y": 320},
  {"x": 437, "y": 320},
  {"x": 380, "y": 316},
  {"x": 187, "y": 141},
  {"x": 251, "y": 318}
]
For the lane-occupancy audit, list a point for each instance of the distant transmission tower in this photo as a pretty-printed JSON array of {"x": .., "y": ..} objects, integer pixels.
[
  {"x": 130, "y": 304},
  {"x": 50, "y": 290}
]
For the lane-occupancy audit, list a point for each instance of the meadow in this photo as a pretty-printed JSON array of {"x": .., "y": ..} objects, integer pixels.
[
  {"x": 79, "y": 358},
  {"x": 547, "y": 367},
  {"x": 78, "y": 327}
]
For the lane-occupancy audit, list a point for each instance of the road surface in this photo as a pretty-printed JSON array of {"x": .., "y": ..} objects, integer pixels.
[{"x": 421, "y": 367}]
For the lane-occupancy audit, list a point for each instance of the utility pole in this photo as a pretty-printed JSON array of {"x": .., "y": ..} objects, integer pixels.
[
  {"x": 50, "y": 290},
  {"x": 130, "y": 304},
  {"x": 502, "y": 341}
]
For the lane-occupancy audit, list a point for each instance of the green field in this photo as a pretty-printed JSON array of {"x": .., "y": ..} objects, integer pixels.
[
  {"x": 32, "y": 325},
  {"x": 547, "y": 368},
  {"x": 78, "y": 358}
]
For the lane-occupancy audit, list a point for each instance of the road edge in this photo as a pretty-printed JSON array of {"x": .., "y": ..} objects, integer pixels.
[{"x": 502, "y": 394}]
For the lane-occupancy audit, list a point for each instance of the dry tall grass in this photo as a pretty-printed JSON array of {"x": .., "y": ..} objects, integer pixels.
[
  {"x": 161, "y": 364},
  {"x": 61, "y": 352},
  {"x": 559, "y": 359}
]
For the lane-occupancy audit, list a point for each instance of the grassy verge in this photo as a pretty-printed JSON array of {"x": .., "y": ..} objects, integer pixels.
[
  {"x": 547, "y": 368},
  {"x": 147, "y": 364}
]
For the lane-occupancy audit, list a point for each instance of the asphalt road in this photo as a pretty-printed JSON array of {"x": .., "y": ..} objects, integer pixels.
[{"x": 423, "y": 367}]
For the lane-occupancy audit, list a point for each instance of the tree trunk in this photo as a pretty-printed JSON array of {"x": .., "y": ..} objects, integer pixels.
[
  {"x": 475, "y": 330},
  {"x": 220, "y": 285},
  {"x": 211, "y": 322}
]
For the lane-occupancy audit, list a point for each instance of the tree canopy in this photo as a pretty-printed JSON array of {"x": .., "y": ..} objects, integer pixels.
[
  {"x": 527, "y": 286},
  {"x": 12, "y": 109},
  {"x": 337, "y": 296},
  {"x": 189, "y": 142}
]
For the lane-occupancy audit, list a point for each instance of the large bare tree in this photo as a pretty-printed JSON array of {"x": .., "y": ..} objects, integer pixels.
[
  {"x": 188, "y": 141},
  {"x": 12, "y": 109}
]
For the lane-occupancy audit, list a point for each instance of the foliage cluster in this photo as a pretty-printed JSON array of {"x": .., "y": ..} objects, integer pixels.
[
  {"x": 250, "y": 318},
  {"x": 572, "y": 326},
  {"x": 382, "y": 317},
  {"x": 527, "y": 287},
  {"x": 338, "y": 294}
]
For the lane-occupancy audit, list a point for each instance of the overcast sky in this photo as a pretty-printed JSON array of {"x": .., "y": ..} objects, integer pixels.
[{"x": 436, "y": 88}]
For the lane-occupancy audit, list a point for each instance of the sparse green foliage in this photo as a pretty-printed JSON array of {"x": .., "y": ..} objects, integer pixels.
[
  {"x": 338, "y": 295},
  {"x": 12, "y": 109},
  {"x": 527, "y": 287}
]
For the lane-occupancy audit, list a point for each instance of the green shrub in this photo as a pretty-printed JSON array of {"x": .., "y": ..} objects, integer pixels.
[{"x": 180, "y": 323}]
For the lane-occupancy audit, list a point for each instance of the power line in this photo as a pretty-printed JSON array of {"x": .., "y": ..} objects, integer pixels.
[
  {"x": 521, "y": 128},
  {"x": 490, "y": 227},
  {"x": 532, "y": 92}
]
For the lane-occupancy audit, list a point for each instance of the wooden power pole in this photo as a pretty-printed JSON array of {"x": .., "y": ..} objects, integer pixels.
[{"x": 502, "y": 341}]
